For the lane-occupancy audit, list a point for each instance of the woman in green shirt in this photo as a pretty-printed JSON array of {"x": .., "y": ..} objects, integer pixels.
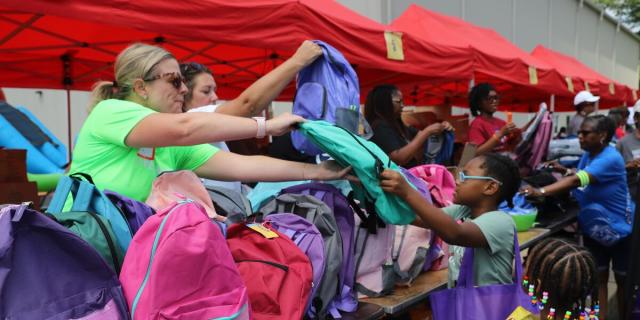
[{"x": 136, "y": 129}]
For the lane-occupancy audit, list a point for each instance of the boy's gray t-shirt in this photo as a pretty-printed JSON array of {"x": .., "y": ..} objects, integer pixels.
[{"x": 492, "y": 265}]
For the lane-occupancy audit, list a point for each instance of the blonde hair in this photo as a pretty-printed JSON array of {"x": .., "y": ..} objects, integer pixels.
[{"x": 137, "y": 61}]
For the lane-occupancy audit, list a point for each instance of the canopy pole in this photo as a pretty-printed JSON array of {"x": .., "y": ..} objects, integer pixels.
[
  {"x": 552, "y": 103},
  {"x": 69, "y": 122},
  {"x": 67, "y": 81}
]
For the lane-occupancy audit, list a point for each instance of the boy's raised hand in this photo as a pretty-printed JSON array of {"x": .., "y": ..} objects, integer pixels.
[{"x": 394, "y": 182}]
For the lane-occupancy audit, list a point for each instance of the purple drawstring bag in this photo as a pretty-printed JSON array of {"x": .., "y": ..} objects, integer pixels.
[{"x": 469, "y": 302}]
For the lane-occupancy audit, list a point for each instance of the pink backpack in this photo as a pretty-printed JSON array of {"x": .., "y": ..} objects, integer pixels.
[
  {"x": 442, "y": 184},
  {"x": 178, "y": 266},
  {"x": 373, "y": 259},
  {"x": 173, "y": 186}
]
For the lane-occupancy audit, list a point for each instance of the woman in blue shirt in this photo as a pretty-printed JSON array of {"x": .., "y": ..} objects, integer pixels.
[{"x": 606, "y": 210}]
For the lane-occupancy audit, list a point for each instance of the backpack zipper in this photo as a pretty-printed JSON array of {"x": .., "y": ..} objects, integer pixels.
[
  {"x": 156, "y": 240},
  {"x": 105, "y": 232},
  {"x": 273, "y": 264}
]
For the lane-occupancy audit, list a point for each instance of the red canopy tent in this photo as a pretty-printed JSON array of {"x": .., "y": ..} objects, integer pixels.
[
  {"x": 71, "y": 44},
  {"x": 584, "y": 78},
  {"x": 240, "y": 40},
  {"x": 523, "y": 80}
]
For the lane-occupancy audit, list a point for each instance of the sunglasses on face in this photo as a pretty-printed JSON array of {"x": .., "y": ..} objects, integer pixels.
[
  {"x": 493, "y": 98},
  {"x": 463, "y": 177},
  {"x": 174, "y": 78}
]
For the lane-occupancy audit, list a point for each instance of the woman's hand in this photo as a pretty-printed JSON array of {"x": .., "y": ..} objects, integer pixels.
[
  {"x": 282, "y": 124},
  {"x": 507, "y": 129},
  {"x": 394, "y": 182},
  {"x": 556, "y": 167},
  {"x": 633, "y": 164},
  {"x": 307, "y": 53},
  {"x": 448, "y": 126},
  {"x": 327, "y": 170},
  {"x": 531, "y": 192},
  {"x": 432, "y": 129}
]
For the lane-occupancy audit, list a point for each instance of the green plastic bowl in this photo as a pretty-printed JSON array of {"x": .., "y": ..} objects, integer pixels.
[{"x": 524, "y": 222}]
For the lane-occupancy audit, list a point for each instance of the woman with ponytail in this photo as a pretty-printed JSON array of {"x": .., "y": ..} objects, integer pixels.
[{"x": 137, "y": 128}]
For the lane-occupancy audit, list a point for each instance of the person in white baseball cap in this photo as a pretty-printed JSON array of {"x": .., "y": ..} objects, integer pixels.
[{"x": 585, "y": 104}]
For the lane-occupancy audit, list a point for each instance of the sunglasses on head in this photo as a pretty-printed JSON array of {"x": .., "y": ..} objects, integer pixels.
[
  {"x": 463, "y": 177},
  {"x": 193, "y": 66},
  {"x": 174, "y": 78}
]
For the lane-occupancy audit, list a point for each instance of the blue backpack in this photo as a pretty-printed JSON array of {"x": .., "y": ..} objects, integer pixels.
[
  {"x": 328, "y": 90},
  {"x": 439, "y": 148},
  {"x": 87, "y": 198}
]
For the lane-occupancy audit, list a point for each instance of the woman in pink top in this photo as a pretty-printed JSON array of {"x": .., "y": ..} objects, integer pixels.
[{"x": 489, "y": 133}]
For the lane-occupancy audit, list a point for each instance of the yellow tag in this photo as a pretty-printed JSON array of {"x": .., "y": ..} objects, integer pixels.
[
  {"x": 265, "y": 232},
  {"x": 521, "y": 314},
  {"x": 586, "y": 86},
  {"x": 612, "y": 89},
  {"x": 533, "y": 75},
  {"x": 394, "y": 45},
  {"x": 569, "y": 83}
]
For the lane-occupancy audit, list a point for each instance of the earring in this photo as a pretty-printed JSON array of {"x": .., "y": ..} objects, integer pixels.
[{"x": 144, "y": 97}]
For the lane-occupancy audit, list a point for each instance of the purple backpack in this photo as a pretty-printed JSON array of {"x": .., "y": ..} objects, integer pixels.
[
  {"x": 327, "y": 90},
  {"x": 48, "y": 272},
  {"x": 307, "y": 237},
  {"x": 343, "y": 212},
  {"x": 136, "y": 212}
]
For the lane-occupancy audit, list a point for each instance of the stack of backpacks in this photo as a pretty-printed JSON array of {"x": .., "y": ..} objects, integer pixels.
[
  {"x": 307, "y": 251},
  {"x": 202, "y": 253}
]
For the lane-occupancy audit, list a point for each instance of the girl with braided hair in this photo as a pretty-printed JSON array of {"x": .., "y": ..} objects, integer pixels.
[
  {"x": 474, "y": 220},
  {"x": 566, "y": 271}
]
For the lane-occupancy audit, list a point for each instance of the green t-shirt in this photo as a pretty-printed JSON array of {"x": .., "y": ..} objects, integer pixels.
[
  {"x": 102, "y": 153},
  {"x": 492, "y": 265}
]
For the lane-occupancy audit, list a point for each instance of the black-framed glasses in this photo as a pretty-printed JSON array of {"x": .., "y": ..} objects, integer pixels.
[
  {"x": 174, "y": 78},
  {"x": 493, "y": 98}
]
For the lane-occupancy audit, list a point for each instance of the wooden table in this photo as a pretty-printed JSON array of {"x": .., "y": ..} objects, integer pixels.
[
  {"x": 404, "y": 298},
  {"x": 366, "y": 311}
]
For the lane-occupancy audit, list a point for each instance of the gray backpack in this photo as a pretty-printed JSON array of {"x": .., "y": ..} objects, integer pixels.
[
  {"x": 322, "y": 217},
  {"x": 229, "y": 203}
]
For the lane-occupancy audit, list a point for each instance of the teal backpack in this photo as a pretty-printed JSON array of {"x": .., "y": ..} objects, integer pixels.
[
  {"x": 93, "y": 217},
  {"x": 368, "y": 162}
]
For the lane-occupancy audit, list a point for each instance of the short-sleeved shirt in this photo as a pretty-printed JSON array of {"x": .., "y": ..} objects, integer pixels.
[
  {"x": 629, "y": 147},
  {"x": 483, "y": 128},
  {"x": 493, "y": 264},
  {"x": 610, "y": 190},
  {"x": 232, "y": 185},
  {"x": 574, "y": 124},
  {"x": 389, "y": 140},
  {"x": 102, "y": 153}
]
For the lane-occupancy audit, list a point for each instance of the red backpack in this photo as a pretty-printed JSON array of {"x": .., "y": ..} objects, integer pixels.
[{"x": 277, "y": 274}]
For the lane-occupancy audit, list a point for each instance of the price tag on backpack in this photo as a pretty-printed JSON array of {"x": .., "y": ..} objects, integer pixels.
[{"x": 265, "y": 232}]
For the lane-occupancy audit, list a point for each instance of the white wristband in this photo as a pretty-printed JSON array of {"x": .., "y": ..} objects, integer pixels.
[{"x": 262, "y": 127}]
